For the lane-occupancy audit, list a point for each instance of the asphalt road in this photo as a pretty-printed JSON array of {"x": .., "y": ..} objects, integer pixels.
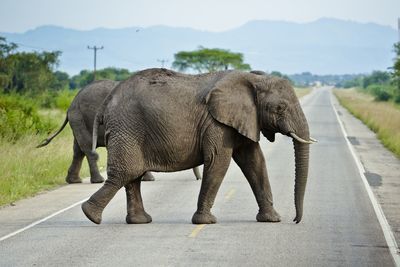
[{"x": 339, "y": 227}]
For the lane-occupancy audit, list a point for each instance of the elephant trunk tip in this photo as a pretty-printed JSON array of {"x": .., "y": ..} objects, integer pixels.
[{"x": 298, "y": 218}]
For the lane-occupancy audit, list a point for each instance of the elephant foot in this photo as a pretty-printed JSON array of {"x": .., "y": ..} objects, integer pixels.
[
  {"x": 96, "y": 179},
  {"x": 203, "y": 218},
  {"x": 71, "y": 179},
  {"x": 138, "y": 218},
  {"x": 92, "y": 211},
  {"x": 268, "y": 216},
  {"x": 148, "y": 176}
]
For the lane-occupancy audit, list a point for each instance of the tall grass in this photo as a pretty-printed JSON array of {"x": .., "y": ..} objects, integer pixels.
[
  {"x": 381, "y": 117},
  {"x": 27, "y": 170},
  {"x": 300, "y": 92}
]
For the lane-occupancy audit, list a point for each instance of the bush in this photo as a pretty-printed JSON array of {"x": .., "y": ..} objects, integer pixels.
[
  {"x": 381, "y": 92},
  {"x": 19, "y": 116},
  {"x": 64, "y": 98},
  {"x": 397, "y": 99},
  {"x": 382, "y": 96}
]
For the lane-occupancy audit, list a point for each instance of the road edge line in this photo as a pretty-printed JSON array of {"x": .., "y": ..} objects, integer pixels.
[
  {"x": 41, "y": 220},
  {"x": 387, "y": 230}
]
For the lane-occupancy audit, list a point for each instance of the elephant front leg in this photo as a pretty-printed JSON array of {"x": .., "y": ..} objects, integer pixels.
[
  {"x": 251, "y": 161},
  {"x": 214, "y": 171},
  {"x": 136, "y": 212}
]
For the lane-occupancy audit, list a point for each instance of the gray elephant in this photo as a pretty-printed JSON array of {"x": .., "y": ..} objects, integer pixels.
[
  {"x": 81, "y": 115},
  {"x": 161, "y": 120}
]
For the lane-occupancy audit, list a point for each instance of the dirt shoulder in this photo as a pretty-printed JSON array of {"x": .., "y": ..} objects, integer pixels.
[{"x": 382, "y": 166}]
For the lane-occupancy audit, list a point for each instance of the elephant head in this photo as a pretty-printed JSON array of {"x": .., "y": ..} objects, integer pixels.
[{"x": 253, "y": 103}]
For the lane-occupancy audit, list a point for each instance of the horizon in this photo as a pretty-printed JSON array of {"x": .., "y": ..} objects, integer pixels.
[
  {"x": 153, "y": 45},
  {"x": 192, "y": 28},
  {"x": 209, "y": 15}
]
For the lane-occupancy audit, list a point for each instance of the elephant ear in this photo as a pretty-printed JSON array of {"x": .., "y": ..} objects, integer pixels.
[{"x": 231, "y": 102}]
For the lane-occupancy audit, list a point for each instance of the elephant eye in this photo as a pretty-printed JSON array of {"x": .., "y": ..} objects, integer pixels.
[{"x": 281, "y": 107}]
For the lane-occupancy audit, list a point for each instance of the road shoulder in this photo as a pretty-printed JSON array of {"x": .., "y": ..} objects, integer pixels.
[
  {"x": 382, "y": 168},
  {"x": 26, "y": 211}
]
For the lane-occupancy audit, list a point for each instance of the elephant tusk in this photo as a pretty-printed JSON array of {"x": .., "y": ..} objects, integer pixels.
[
  {"x": 301, "y": 140},
  {"x": 313, "y": 140}
]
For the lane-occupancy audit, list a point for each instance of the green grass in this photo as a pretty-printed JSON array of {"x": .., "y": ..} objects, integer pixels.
[
  {"x": 300, "y": 92},
  {"x": 381, "y": 117},
  {"x": 27, "y": 170}
]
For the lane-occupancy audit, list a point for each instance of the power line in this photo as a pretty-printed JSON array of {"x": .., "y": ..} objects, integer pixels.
[{"x": 95, "y": 48}]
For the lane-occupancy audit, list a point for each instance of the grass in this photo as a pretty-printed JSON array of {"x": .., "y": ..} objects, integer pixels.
[
  {"x": 300, "y": 92},
  {"x": 381, "y": 117},
  {"x": 27, "y": 170}
]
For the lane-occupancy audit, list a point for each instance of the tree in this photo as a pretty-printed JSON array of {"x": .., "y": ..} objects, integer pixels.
[
  {"x": 209, "y": 60},
  {"x": 396, "y": 66},
  {"x": 5, "y": 71},
  {"x": 85, "y": 76},
  {"x": 26, "y": 71},
  {"x": 280, "y": 75},
  {"x": 6, "y": 48},
  {"x": 61, "y": 81},
  {"x": 376, "y": 77}
]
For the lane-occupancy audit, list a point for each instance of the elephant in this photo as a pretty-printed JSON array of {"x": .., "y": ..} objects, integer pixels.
[
  {"x": 161, "y": 120},
  {"x": 81, "y": 115}
]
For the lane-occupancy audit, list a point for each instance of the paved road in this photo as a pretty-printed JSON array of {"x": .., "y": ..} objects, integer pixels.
[{"x": 339, "y": 226}]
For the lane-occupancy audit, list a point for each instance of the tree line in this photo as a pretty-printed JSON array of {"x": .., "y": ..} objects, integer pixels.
[
  {"x": 35, "y": 72},
  {"x": 384, "y": 85}
]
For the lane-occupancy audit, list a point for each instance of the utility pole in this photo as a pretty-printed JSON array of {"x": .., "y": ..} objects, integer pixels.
[
  {"x": 95, "y": 48},
  {"x": 162, "y": 61}
]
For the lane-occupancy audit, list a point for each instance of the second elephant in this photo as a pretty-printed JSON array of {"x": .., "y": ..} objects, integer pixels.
[{"x": 80, "y": 116}]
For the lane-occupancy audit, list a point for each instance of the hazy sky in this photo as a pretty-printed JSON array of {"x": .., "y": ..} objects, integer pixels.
[{"x": 213, "y": 15}]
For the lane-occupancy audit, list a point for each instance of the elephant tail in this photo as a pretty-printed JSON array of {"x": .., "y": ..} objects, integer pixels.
[
  {"x": 48, "y": 140},
  {"x": 97, "y": 120}
]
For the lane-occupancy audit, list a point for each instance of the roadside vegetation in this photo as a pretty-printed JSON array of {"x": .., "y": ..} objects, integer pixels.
[
  {"x": 33, "y": 101},
  {"x": 381, "y": 117},
  {"x": 27, "y": 170},
  {"x": 300, "y": 92},
  {"x": 375, "y": 99}
]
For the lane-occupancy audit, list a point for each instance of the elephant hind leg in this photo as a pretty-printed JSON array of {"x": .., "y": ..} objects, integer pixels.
[
  {"x": 74, "y": 169},
  {"x": 122, "y": 170},
  {"x": 83, "y": 137},
  {"x": 136, "y": 213},
  {"x": 93, "y": 208}
]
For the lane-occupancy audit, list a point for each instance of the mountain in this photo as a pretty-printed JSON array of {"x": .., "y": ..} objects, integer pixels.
[{"x": 324, "y": 46}]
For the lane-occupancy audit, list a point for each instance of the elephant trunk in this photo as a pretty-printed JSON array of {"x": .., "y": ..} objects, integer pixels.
[{"x": 301, "y": 151}]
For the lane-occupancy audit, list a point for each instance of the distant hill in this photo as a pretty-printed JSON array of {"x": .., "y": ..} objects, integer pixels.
[{"x": 325, "y": 46}]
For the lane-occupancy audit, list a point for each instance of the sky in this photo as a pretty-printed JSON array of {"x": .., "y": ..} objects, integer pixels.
[{"x": 209, "y": 15}]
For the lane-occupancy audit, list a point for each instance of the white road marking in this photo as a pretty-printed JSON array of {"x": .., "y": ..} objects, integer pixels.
[
  {"x": 387, "y": 230},
  {"x": 41, "y": 220}
]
